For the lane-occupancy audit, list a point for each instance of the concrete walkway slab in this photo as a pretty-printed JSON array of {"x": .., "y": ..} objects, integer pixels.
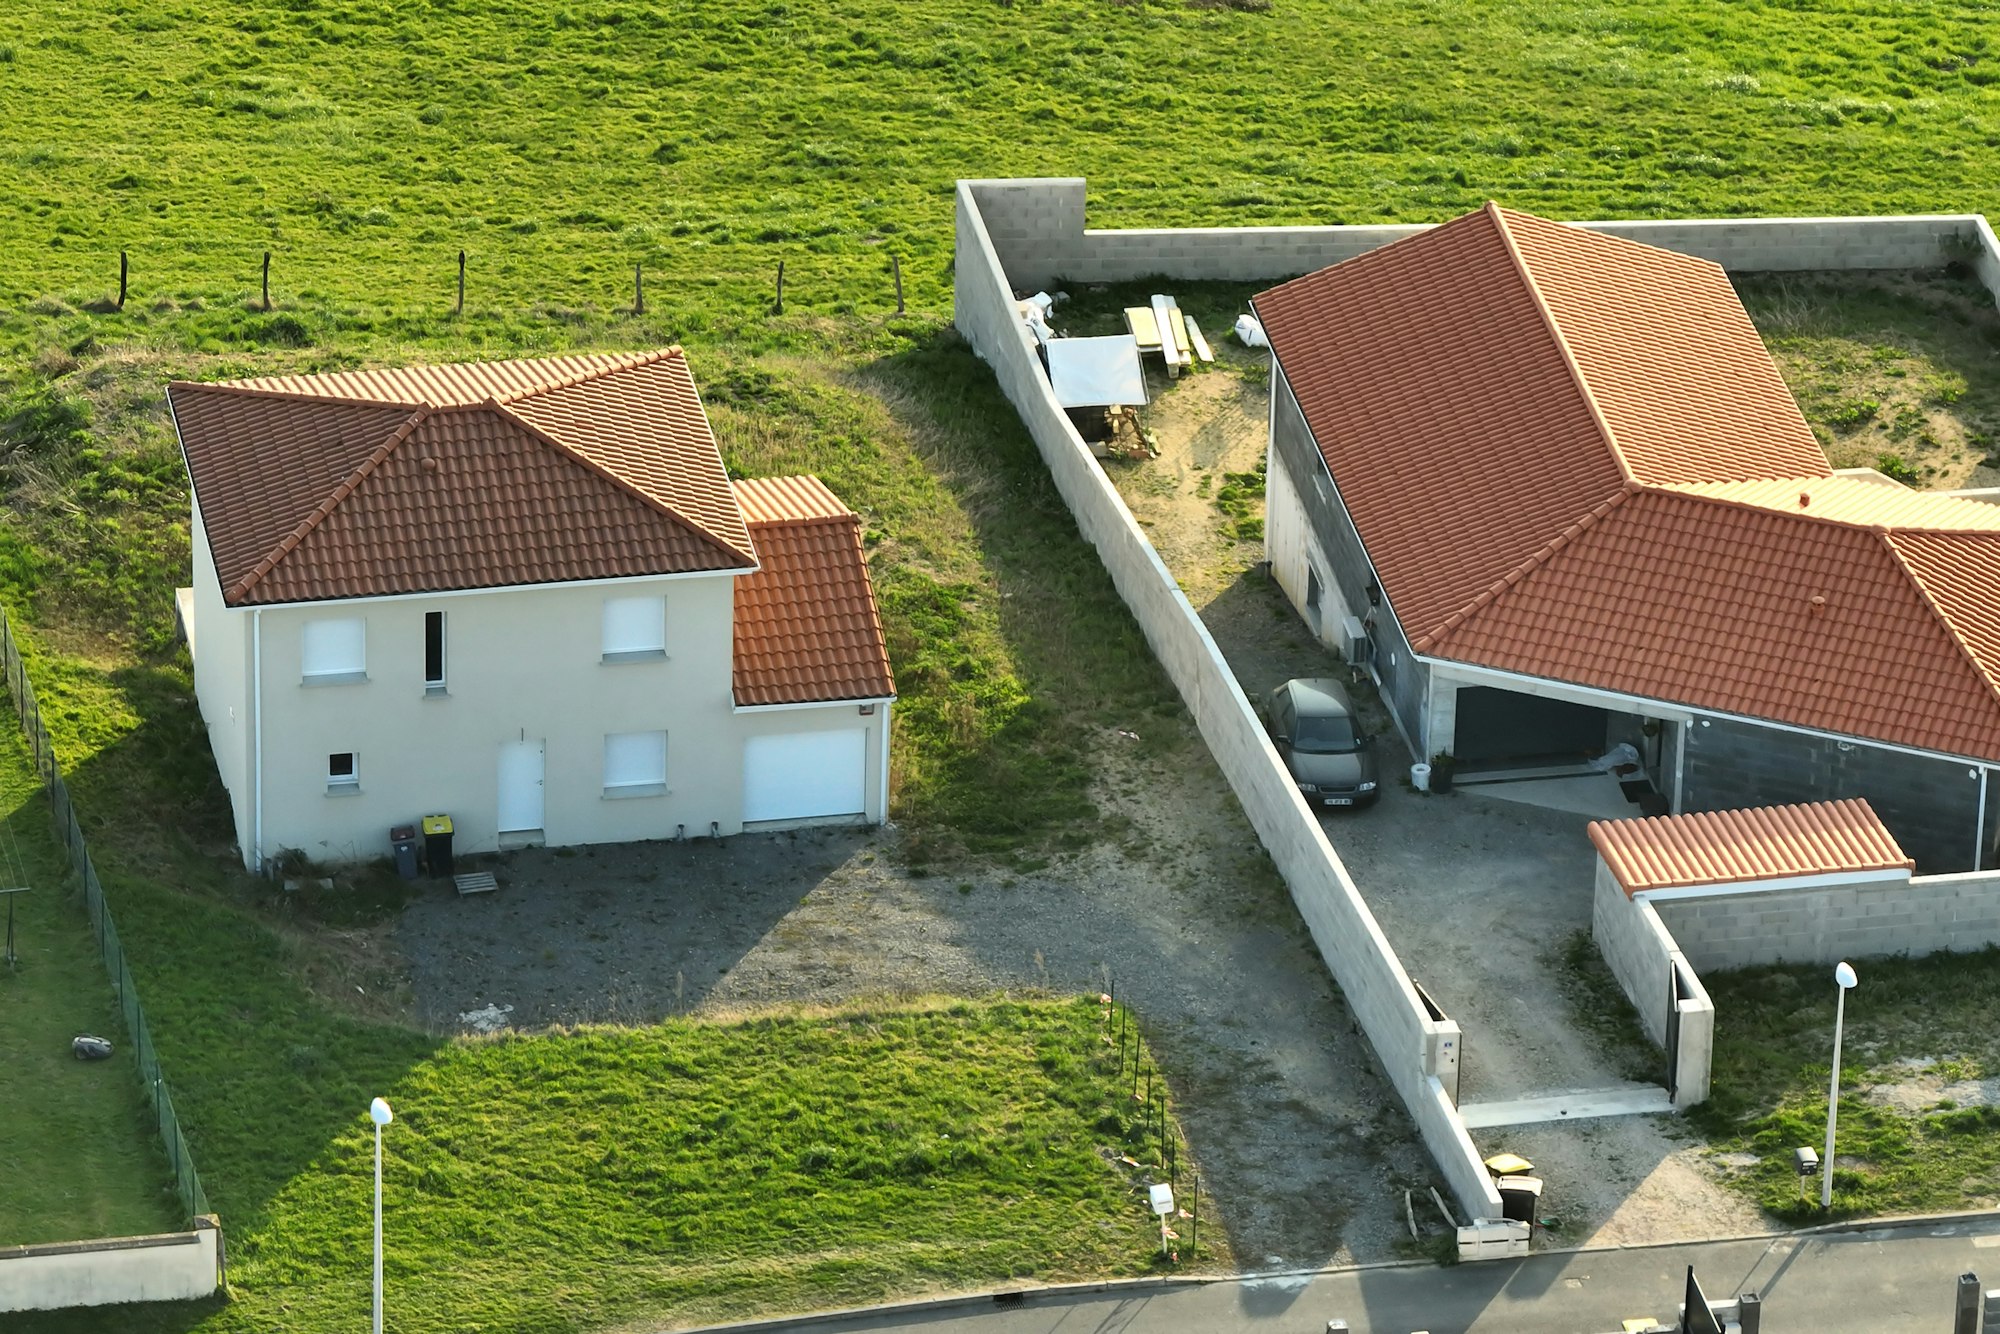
[
  {"x": 1595, "y": 795},
  {"x": 1580, "y": 1105}
]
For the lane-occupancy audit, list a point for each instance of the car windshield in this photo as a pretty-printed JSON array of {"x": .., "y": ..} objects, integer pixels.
[{"x": 1324, "y": 736}]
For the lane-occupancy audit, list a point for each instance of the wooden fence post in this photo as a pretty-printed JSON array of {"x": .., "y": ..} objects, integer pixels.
[
  {"x": 459, "y": 309},
  {"x": 780, "y": 308},
  {"x": 638, "y": 289},
  {"x": 124, "y": 268},
  {"x": 267, "y": 280},
  {"x": 896, "y": 267}
]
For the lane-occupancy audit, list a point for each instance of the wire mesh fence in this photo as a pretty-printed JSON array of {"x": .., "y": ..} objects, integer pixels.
[{"x": 186, "y": 1181}]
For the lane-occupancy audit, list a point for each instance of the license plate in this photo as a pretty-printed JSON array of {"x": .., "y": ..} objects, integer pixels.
[{"x": 1337, "y": 801}]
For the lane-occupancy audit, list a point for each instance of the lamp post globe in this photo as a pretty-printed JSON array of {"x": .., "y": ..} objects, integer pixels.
[{"x": 1844, "y": 979}]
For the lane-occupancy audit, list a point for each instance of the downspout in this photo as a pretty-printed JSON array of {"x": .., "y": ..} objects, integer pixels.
[
  {"x": 1680, "y": 763},
  {"x": 257, "y": 732},
  {"x": 1979, "y": 830},
  {"x": 882, "y": 787}
]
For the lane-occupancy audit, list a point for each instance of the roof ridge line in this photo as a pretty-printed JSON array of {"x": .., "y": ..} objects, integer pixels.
[
  {"x": 296, "y": 396},
  {"x": 1499, "y": 216},
  {"x": 646, "y": 358},
  {"x": 802, "y": 521},
  {"x": 652, "y": 502},
  {"x": 1428, "y": 641},
  {"x": 290, "y": 542},
  {"x": 1952, "y": 632}
]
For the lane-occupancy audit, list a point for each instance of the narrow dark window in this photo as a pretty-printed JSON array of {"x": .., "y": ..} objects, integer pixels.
[{"x": 434, "y": 650}]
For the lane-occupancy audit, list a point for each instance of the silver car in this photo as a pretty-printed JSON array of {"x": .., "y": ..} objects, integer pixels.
[{"x": 1312, "y": 724}]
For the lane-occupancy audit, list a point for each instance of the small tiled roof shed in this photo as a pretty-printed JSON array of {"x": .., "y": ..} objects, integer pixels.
[{"x": 1715, "y": 849}]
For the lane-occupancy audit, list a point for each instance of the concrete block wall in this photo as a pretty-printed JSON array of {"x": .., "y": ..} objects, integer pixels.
[
  {"x": 1930, "y": 804},
  {"x": 173, "y": 1266},
  {"x": 1924, "y": 915},
  {"x": 1643, "y": 956},
  {"x": 1038, "y": 230},
  {"x": 1371, "y": 977}
]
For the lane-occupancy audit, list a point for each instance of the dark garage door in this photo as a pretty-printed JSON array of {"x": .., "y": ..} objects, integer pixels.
[{"x": 1498, "y": 728}]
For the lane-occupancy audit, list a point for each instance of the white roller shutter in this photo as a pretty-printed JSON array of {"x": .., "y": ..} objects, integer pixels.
[{"x": 805, "y": 775}]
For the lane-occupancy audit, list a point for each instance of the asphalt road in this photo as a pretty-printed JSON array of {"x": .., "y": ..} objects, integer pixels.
[{"x": 1882, "y": 1279}]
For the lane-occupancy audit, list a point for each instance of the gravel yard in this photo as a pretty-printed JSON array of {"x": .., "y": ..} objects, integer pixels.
[{"x": 1302, "y": 1147}]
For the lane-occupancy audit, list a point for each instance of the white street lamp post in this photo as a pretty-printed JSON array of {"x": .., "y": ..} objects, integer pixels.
[
  {"x": 1843, "y": 975},
  {"x": 379, "y": 1113}
]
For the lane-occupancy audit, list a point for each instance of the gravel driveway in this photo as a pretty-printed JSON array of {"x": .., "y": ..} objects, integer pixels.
[{"x": 1303, "y": 1149}]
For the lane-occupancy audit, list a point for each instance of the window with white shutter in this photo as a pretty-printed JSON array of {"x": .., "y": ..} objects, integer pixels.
[
  {"x": 635, "y": 629},
  {"x": 334, "y": 651},
  {"x": 635, "y": 764}
]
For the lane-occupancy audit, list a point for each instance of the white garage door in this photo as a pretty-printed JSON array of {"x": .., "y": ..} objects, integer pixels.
[{"x": 802, "y": 775}]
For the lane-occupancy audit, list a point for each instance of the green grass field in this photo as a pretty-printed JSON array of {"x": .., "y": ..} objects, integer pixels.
[
  {"x": 83, "y": 1157},
  {"x": 1919, "y": 1125},
  {"x": 561, "y": 142}
]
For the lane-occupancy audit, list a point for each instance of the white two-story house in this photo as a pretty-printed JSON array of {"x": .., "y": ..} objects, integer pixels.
[{"x": 524, "y": 594}]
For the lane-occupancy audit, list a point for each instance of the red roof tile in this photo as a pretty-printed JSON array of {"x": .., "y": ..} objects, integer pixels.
[
  {"x": 807, "y": 627},
  {"x": 1569, "y": 456},
  {"x": 1762, "y": 843},
  {"x": 363, "y": 483}
]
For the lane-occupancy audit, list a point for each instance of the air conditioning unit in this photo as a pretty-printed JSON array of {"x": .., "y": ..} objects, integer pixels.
[{"x": 1356, "y": 646}]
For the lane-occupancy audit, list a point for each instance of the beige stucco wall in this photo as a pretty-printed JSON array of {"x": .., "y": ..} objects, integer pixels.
[
  {"x": 221, "y": 679},
  {"x": 519, "y": 664}
]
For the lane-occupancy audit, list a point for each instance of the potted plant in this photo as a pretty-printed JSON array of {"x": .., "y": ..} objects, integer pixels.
[{"x": 1441, "y": 767}]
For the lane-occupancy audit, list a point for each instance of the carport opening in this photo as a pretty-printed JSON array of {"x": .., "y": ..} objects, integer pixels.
[{"x": 1504, "y": 736}]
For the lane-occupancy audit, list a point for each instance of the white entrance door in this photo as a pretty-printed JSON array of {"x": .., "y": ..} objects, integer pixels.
[
  {"x": 520, "y": 786},
  {"x": 804, "y": 775}
]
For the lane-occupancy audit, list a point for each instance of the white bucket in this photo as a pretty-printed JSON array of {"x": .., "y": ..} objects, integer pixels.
[{"x": 1420, "y": 777}]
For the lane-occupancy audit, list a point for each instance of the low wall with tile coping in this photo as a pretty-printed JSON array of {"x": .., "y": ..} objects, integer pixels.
[
  {"x": 1413, "y": 1048},
  {"x": 1643, "y": 956},
  {"x": 1038, "y": 233}
]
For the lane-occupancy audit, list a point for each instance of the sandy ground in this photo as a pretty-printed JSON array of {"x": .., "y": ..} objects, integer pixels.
[{"x": 1303, "y": 1149}]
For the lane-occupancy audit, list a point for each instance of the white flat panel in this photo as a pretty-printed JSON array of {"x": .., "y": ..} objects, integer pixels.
[
  {"x": 1096, "y": 372},
  {"x": 802, "y": 775},
  {"x": 520, "y": 786}
]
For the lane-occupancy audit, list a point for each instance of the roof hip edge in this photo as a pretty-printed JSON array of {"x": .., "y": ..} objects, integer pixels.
[
  {"x": 652, "y": 502},
  {"x": 289, "y": 543},
  {"x": 1432, "y": 638},
  {"x": 1952, "y": 632},
  {"x": 1500, "y": 224}
]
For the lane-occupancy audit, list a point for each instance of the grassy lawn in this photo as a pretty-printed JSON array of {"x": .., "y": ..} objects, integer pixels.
[
  {"x": 1920, "y": 1083},
  {"x": 1896, "y": 373},
  {"x": 684, "y": 1172},
  {"x": 561, "y": 142},
  {"x": 84, "y": 1158}
]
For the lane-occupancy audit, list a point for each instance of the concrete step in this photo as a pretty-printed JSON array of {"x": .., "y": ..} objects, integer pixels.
[{"x": 1578, "y": 1105}]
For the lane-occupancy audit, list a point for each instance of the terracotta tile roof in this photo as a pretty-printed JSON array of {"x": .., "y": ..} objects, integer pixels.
[
  {"x": 1763, "y": 843},
  {"x": 362, "y": 483},
  {"x": 1569, "y": 456},
  {"x": 1709, "y": 604},
  {"x": 807, "y": 627}
]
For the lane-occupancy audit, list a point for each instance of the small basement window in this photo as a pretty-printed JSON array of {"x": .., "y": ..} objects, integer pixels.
[
  {"x": 334, "y": 651},
  {"x": 635, "y": 629},
  {"x": 342, "y": 776},
  {"x": 635, "y": 764}
]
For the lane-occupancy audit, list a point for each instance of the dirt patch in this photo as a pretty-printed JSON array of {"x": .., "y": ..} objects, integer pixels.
[
  {"x": 1304, "y": 1151},
  {"x": 1930, "y": 1085},
  {"x": 1201, "y": 501}
]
